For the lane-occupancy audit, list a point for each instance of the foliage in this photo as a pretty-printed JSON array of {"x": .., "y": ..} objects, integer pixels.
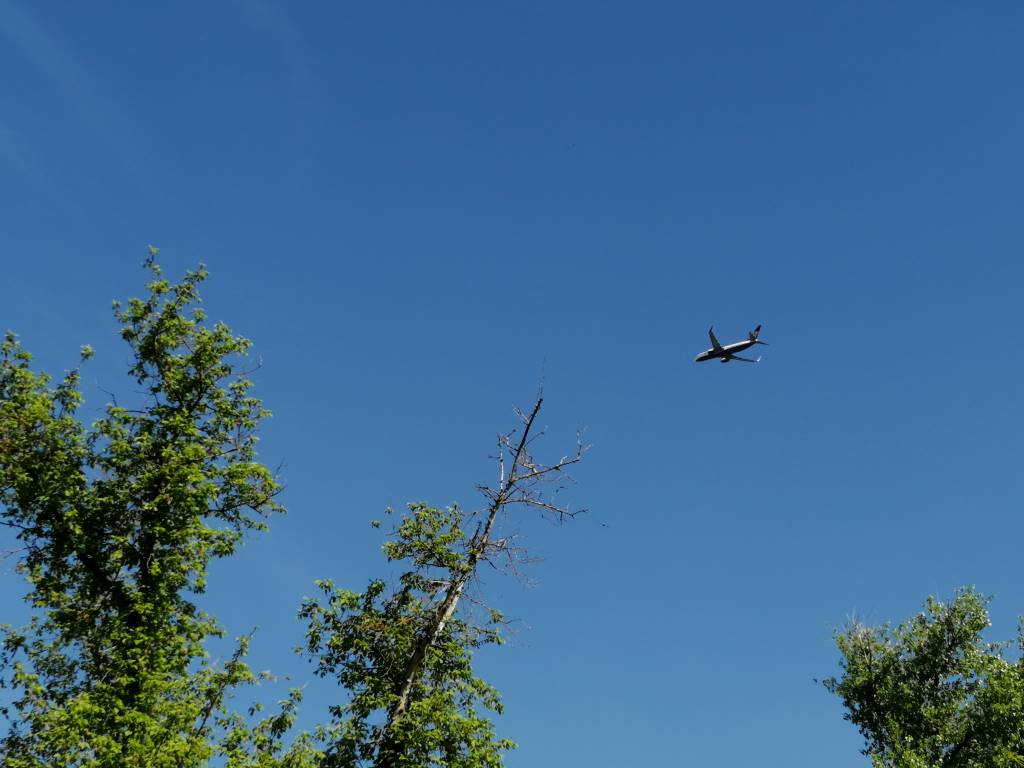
[
  {"x": 366, "y": 639},
  {"x": 404, "y": 653},
  {"x": 118, "y": 522},
  {"x": 932, "y": 693}
]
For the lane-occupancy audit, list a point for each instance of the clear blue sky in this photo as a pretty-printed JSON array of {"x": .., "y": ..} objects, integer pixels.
[{"x": 416, "y": 210}]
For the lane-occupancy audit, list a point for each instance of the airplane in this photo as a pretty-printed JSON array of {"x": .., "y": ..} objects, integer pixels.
[{"x": 725, "y": 354}]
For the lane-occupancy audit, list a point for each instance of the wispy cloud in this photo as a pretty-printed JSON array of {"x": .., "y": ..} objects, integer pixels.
[{"x": 99, "y": 117}]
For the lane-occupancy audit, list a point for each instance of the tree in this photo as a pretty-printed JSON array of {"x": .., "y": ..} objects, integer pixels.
[
  {"x": 404, "y": 653},
  {"x": 118, "y": 522},
  {"x": 932, "y": 693}
]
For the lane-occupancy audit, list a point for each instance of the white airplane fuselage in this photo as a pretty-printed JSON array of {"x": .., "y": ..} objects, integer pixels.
[{"x": 725, "y": 351}]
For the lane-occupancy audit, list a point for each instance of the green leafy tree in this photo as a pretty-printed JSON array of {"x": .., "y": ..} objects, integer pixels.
[
  {"x": 117, "y": 523},
  {"x": 932, "y": 693},
  {"x": 403, "y": 652}
]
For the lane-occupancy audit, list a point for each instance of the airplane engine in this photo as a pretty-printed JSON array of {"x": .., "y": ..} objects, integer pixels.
[{"x": 725, "y": 359}]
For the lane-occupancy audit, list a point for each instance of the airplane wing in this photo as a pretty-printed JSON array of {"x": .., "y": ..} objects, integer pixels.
[
  {"x": 743, "y": 359},
  {"x": 714, "y": 342}
]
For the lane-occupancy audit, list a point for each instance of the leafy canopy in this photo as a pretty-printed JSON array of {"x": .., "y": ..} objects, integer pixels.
[
  {"x": 118, "y": 522},
  {"x": 931, "y": 693},
  {"x": 404, "y": 651},
  {"x": 365, "y": 641}
]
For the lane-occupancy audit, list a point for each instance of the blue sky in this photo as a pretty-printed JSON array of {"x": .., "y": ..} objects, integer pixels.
[{"x": 418, "y": 210}]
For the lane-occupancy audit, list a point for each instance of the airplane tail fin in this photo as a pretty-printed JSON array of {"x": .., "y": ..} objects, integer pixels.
[{"x": 753, "y": 333}]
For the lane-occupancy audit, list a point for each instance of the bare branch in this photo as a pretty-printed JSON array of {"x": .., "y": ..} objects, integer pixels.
[{"x": 520, "y": 481}]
